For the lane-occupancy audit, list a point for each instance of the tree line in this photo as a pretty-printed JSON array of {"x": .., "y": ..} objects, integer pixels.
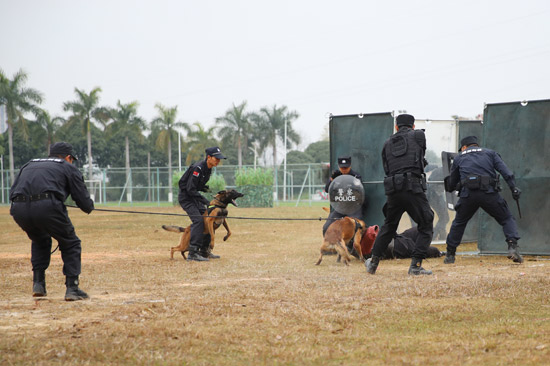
[{"x": 117, "y": 136}]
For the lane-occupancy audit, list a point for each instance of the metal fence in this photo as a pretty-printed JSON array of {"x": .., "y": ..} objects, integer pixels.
[{"x": 146, "y": 186}]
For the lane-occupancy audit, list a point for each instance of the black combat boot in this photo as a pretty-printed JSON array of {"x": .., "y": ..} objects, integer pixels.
[
  {"x": 450, "y": 255},
  {"x": 39, "y": 283},
  {"x": 195, "y": 255},
  {"x": 207, "y": 253},
  {"x": 416, "y": 268},
  {"x": 372, "y": 264},
  {"x": 212, "y": 255},
  {"x": 513, "y": 252},
  {"x": 205, "y": 250},
  {"x": 74, "y": 293}
]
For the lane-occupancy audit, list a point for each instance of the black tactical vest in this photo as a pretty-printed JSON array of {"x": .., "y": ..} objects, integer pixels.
[{"x": 404, "y": 153}]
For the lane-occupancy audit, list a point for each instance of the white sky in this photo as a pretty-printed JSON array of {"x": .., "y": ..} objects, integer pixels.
[{"x": 432, "y": 58}]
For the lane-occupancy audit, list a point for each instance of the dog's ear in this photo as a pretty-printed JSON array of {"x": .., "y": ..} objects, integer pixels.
[{"x": 221, "y": 192}]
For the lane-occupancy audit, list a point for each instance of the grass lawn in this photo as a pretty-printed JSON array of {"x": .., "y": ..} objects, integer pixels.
[{"x": 264, "y": 301}]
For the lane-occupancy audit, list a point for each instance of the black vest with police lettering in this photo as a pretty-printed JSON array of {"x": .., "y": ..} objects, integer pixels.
[{"x": 404, "y": 153}]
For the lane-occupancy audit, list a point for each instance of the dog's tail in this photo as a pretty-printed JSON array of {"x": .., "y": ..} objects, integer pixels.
[
  {"x": 174, "y": 229},
  {"x": 327, "y": 209}
]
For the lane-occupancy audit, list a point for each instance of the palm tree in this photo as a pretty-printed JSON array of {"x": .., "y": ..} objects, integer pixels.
[
  {"x": 84, "y": 109},
  {"x": 18, "y": 100},
  {"x": 235, "y": 126},
  {"x": 199, "y": 139},
  {"x": 126, "y": 122},
  {"x": 271, "y": 121},
  {"x": 166, "y": 123},
  {"x": 50, "y": 125}
]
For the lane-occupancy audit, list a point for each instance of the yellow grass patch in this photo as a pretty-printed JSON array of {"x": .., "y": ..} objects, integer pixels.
[{"x": 264, "y": 301}]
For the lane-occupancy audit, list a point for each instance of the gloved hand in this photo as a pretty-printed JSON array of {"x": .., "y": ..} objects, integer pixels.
[
  {"x": 335, "y": 174},
  {"x": 516, "y": 192},
  {"x": 205, "y": 189}
]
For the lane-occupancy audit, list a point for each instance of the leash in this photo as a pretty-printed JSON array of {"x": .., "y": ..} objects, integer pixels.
[{"x": 228, "y": 217}]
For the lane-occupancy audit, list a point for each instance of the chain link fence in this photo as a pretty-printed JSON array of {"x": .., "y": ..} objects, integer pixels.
[{"x": 299, "y": 184}]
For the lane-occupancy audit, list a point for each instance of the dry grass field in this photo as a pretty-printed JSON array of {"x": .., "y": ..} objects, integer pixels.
[{"x": 264, "y": 302}]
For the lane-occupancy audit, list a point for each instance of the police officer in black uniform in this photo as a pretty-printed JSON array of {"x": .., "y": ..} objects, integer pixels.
[
  {"x": 405, "y": 186},
  {"x": 194, "y": 180},
  {"x": 344, "y": 168},
  {"x": 473, "y": 175},
  {"x": 37, "y": 197}
]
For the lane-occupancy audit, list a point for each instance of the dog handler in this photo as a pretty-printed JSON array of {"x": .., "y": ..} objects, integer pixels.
[
  {"x": 37, "y": 197},
  {"x": 405, "y": 187},
  {"x": 473, "y": 175},
  {"x": 344, "y": 168},
  {"x": 194, "y": 204}
]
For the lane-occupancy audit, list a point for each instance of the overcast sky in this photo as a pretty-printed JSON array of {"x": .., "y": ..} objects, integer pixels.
[{"x": 433, "y": 59}]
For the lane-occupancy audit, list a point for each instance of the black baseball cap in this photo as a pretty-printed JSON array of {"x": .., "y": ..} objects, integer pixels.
[
  {"x": 215, "y": 152},
  {"x": 467, "y": 141},
  {"x": 404, "y": 120},
  {"x": 62, "y": 148},
  {"x": 344, "y": 161}
]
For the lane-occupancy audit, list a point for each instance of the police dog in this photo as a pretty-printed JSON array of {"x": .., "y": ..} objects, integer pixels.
[
  {"x": 214, "y": 217},
  {"x": 339, "y": 233}
]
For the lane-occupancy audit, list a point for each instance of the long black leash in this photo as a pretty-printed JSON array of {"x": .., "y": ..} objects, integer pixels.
[{"x": 228, "y": 217}]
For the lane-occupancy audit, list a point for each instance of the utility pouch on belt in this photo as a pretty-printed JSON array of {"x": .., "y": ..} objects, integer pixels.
[
  {"x": 418, "y": 184},
  {"x": 473, "y": 182},
  {"x": 399, "y": 182},
  {"x": 486, "y": 182},
  {"x": 388, "y": 185}
]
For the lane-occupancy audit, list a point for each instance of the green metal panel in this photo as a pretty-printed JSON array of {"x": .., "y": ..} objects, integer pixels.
[
  {"x": 520, "y": 133},
  {"x": 362, "y": 137}
]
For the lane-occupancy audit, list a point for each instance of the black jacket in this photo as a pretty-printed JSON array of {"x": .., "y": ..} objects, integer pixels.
[
  {"x": 194, "y": 180},
  {"x": 480, "y": 161},
  {"x": 52, "y": 175}
]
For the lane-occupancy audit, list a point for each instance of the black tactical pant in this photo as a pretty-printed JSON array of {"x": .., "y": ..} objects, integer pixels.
[
  {"x": 418, "y": 208},
  {"x": 42, "y": 220},
  {"x": 195, "y": 211},
  {"x": 492, "y": 203}
]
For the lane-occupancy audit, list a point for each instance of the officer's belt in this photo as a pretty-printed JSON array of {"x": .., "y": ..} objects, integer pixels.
[
  {"x": 481, "y": 182},
  {"x": 34, "y": 197},
  {"x": 411, "y": 177}
]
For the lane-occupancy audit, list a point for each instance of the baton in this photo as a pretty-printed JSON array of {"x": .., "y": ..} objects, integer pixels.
[{"x": 519, "y": 209}]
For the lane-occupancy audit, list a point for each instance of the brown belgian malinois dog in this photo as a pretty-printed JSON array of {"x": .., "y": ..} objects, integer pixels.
[
  {"x": 214, "y": 217},
  {"x": 339, "y": 233}
]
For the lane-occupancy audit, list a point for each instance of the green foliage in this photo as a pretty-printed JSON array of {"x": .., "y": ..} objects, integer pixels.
[
  {"x": 257, "y": 187},
  {"x": 319, "y": 151},
  {"x": 216, "y": 184},
  {"x": 256, "y": 196},
  {"x": 254, "y": 177},
  {"x": 298, "y": 157}
]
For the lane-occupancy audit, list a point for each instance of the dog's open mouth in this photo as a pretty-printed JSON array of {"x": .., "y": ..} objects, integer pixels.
[{"x": 234, "y": 203}]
